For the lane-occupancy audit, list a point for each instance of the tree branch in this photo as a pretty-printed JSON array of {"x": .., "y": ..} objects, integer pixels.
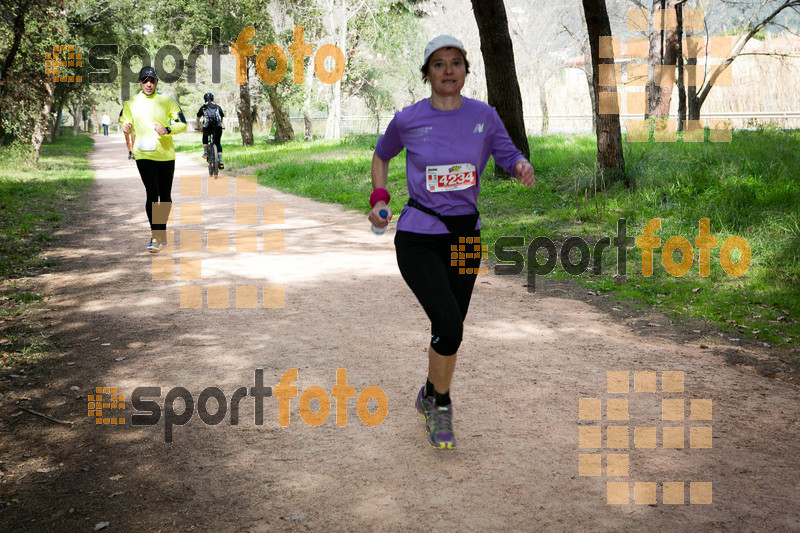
[{"x": 737, "y": 49}]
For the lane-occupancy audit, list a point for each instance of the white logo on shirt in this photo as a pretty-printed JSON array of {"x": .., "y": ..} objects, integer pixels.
[
  {"x": 420, "y": 132},
  {"x": 478, "y": 128}
]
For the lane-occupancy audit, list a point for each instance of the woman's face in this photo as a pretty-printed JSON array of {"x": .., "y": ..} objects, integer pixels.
[{"x": 447, "y": 72}]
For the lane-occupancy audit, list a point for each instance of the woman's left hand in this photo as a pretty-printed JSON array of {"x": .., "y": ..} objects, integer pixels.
[{"x": 524, "y": 172}]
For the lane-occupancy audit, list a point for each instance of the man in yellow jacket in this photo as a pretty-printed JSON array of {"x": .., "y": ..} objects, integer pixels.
[{"x": 154, "y": 118}]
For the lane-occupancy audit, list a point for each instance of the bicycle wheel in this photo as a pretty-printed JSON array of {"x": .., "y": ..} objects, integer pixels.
[
  {"x": 213, "y": 168},
  {"x": 216, "y": 159}
]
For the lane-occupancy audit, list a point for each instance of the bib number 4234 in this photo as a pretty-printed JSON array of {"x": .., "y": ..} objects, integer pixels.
[{"x": 450, "y": 177}]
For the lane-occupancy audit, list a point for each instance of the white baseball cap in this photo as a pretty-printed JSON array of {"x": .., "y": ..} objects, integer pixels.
[{"x": 442, "y": 41}]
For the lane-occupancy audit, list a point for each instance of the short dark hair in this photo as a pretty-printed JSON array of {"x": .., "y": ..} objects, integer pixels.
[{"x": 424, "y": 68}]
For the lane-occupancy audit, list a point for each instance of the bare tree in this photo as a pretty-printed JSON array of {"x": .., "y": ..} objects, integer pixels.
[
  {"x": 695, "y": 102},
  {"x": 610, "y": 159},
  {"x": 663, "y": 50},
  {"x": 582, "y": 40}
]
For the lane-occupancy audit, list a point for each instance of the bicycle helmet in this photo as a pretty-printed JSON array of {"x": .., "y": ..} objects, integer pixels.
[{"x": 208, "y": 97}]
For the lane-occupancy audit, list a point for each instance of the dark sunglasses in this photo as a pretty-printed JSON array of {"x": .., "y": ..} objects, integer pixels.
[{"x": 150, "y": 80}]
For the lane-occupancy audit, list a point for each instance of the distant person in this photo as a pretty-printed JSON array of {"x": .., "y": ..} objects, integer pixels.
[
  {"x": 130, "y": 138},
  {"x": 448, "y": 139},
  {"x": 106, "y": 121},
  {"x": 212, "y": 116},
  {"x": 154, "y": 118}
]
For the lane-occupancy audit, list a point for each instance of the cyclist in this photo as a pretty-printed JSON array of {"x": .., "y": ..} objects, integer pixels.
[
  {"x": 448, "y": 139},
  {"x": 212, "y": 115},
  {"x": 155, "y": 118}
]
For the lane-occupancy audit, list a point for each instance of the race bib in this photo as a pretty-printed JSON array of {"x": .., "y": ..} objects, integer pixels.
[
  {"x": 445, "y": 178},
  {"x": 146, "y": 145}
]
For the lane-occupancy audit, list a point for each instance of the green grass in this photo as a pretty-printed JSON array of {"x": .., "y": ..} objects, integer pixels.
[
  {"x": 34, "y": 201},
  {"x": 746, "y": 188}
]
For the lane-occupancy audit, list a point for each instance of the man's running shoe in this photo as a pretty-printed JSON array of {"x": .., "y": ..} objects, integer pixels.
[
  {"x": 221, "y": 166},
  {"x": 130, "y": 155},
  {"x": 153, "y": 246},
  {"x": 440, "y": 427},
  {"x": 423, "y": 403}
]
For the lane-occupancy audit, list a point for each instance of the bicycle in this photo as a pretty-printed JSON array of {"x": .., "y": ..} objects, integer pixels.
[{"x": 213, "y": 156}]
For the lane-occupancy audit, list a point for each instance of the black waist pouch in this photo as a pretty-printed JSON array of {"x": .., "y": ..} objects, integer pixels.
[{"x": 458, "y": 224}]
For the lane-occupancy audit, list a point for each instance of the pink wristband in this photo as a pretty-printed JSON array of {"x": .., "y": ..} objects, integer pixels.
[{"x": 379, "y": 195}]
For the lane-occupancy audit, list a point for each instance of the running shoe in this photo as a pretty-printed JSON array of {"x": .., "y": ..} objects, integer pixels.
[
  {"x": 153, "y": 246},
  {"x": 130, "y": 155},
  {"x": 221, "y": 166},
  {"x": 423, "y": 404},
  {"x": 440, "y": 427}
]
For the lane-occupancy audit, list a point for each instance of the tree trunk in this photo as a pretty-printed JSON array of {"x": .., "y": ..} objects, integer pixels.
[
  {"x": 43, "y": 121},
  {"x": 660, "y": 97},
  {"x": 543, "y": 106},
  {"x": 610, "y": 159},
  {"x": 693, "y": 113},
  {"x": 680, "y": 74},
  {"x": 19, "y": 32},
  {"x": 308, "y": 124},
  {"x": 333, "y": 130},
  {"x": 76, "y": 118},
  {"x": 339, "y": 32},
  {"x": 283, "y": 126},
  {"x": 654, "y": 54},
  {"x": 243, "y": 110},
  {"x": 501, "y": 76},
  {"x": 693, "y": 109},
  {"x": 59, "y": 96},
  {"x": 258, "y": 118},
  {"x": 55, "y": 132}
]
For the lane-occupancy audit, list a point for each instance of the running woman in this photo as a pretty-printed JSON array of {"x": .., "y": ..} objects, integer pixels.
[
  {"x": 448, "y": 140},
  {"x": 154, "y": 117}
]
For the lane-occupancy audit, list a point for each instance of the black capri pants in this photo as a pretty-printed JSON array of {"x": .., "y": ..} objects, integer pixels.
[
  {"x": 425, "y": 262},
  {"x": 157, "y": 177},
  {"x": 217, "y": 131}
]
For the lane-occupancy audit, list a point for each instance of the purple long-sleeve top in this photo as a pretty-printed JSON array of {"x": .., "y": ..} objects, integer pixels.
[{"x": 445, "y": 142}]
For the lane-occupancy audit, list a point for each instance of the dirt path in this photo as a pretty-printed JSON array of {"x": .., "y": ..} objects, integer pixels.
[{"x": 525, "y": 363}]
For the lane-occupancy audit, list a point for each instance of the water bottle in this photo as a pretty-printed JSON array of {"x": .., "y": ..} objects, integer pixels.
[{"x": 379, "y": 231}]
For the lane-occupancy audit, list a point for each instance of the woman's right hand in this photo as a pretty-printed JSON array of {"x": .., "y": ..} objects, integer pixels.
[{"x": 376, "y": 219}]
